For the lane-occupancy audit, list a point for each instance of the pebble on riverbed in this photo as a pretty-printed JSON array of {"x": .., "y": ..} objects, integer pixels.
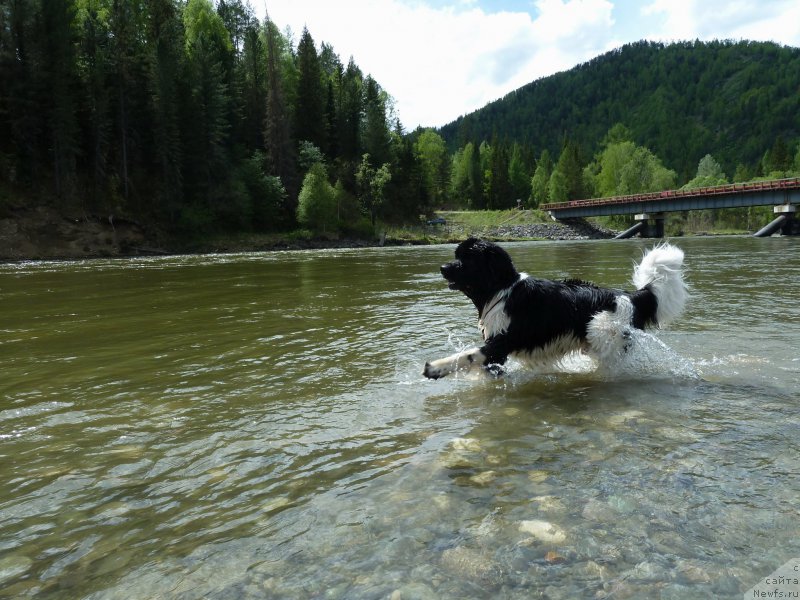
[
  {"x": 471, "y": 564},
  {"x": 543, "y": 531}
]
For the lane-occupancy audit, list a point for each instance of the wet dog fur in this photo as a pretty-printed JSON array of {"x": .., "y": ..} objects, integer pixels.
[{"x": 539, "y": 321}]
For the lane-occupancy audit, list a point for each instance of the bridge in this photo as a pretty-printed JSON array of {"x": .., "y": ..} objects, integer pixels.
[{"x": 649, "y": 209}]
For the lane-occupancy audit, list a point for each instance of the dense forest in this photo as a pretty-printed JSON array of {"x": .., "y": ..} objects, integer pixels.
[
  {"x": 196, "y": 117},
  {"x": 682, "y": 101}
]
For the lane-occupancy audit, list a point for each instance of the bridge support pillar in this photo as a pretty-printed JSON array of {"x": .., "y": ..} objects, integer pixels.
[
  {"x": 791, "y": 226},
  {"x": 785, "y": 222},
  {"x": 653, "y": 224}
]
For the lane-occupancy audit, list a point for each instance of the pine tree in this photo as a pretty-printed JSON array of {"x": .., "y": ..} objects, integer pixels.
[
  {"x": 349, "y": 113},
  {"x": 58, "y": 17},
  {"x": 376, "y": 137},
  {"x": 165, "y": 79},
  {"x": 310, "y": 103},
  {"x": 277, "y": 137},
  {"x": 519, "y": 175}
]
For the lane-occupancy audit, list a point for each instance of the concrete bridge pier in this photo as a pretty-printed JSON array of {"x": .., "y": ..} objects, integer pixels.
[
  {"x": 653, "y": 224},
  {"x": 785, "y": 222},
  {"x": 647, "y": 226}
]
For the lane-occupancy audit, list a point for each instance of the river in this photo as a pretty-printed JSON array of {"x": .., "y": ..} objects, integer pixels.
[{"x": 256, "y": 425}]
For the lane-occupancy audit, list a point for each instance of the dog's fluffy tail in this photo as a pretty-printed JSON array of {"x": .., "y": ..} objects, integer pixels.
[{"x": 661, "y": 270}]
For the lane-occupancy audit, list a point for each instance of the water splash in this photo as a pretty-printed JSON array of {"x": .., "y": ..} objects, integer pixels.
[{"x": 645, "y": 354}]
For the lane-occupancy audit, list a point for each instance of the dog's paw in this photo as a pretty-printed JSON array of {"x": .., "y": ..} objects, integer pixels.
[
  {"x": 432, "y": 372},
  {"x": 495, "y": 370}
]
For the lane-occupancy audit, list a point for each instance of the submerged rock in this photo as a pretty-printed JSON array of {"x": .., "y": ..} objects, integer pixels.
[
  {"x": 465, "y": 444},
  {"x": 14, "y": 566},
  {"x": 471, "y": 564},
  {"x": 543, "y": 531}
]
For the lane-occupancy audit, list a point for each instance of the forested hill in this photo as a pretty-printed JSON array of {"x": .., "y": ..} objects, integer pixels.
[{"x": 680, "y": 100}]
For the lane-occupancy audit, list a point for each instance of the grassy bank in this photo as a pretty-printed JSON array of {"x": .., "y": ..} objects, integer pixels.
[{"x": 460, "y": 224}]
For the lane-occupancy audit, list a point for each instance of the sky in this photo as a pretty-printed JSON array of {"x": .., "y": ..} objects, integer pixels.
[{"x": 440, "y": 59}]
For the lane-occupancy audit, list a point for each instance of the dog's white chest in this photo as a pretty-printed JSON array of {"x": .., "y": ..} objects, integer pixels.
[
  {"x": 494, "y": 318},
  {"x": 494, "y": 321}
]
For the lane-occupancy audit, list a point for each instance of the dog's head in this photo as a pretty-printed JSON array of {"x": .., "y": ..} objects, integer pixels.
[{"x": 480, "y": 270}]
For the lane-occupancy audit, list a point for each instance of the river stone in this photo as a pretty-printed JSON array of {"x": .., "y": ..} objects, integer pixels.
[
  {"x": 465, "y": 444},
  {"x": 470, "y": 563},
  {"x": 623, "y": 417},
  {"x": 550, "y": 504},
  {"x": 543, "y": 531},
  {"x": 484, "y": 478},
  {"x": 599, "y": 511},
  {"x": 14, "y": 566},
  {"x": 413, "y": 591},
  {"x": 538, "y": 476}
]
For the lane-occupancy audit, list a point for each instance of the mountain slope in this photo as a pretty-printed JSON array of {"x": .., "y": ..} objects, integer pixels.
[{"x": 730, "y": 99}]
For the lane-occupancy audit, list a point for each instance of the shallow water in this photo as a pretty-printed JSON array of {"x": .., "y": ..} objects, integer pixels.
[{"x": 257, "y": 426}]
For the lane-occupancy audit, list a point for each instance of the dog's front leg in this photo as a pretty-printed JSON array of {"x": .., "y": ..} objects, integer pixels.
[
  {"x": 490, "y": 356},
  {"x": 462, "y": 361}
]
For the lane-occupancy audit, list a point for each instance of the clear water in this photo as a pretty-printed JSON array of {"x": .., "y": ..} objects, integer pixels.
[{"x": 257, "y": 426}]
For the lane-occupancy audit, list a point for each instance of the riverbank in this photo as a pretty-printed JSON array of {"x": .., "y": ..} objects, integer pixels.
[{"x": 44, "y": 233}]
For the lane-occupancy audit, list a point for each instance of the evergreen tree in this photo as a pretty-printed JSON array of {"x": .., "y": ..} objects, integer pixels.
[
  {"x": 207, "y": 160},
  {"x": 460, "y": 180},
  {"x": 165, "y": 73},
  {"x": 97, "y": 67},
  {"x": 476, "y": 199},
  {"x": 277, "y": 137},
  {"x": 376, "y": 136},
  {"x": 350, "y": 113},
  {"x": 499, "y": 194},
  {"x": 570, "y": 164},
  {"x": 709, "y": 173},
  {"x": 557, "y": 188},
  {"x": 311, "y": 96},
  {"x": 519, "y": 174},
  {"x": 59, "y": 66},
  {"x": 777, "y": 160}
]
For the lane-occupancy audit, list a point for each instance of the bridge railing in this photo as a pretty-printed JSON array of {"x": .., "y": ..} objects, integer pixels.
[{"x": 717, "y": 190}]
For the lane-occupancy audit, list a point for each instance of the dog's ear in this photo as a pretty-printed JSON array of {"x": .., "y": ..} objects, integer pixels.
[
  {"x": 466, "y": 245},
  {"x": 499, "y": 265}
]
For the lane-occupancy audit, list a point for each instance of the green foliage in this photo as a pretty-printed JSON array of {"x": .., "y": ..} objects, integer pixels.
[
  {"x": 316, "y": 205},
  {"x": 311, "y": 96},
  {"x": 570, "y": 165},
  {"x": 309, "y": 155},
  {"x": 645, "y": 173},
  {"x": 540, "y": 182},
  {"x": 682, "y": 101},
  {"x": 372, "y": 184},
  {"x": 431, "y": 152},
  {"x": 557, "y": 189},
  {"x": 519, "y": 174},
  {"x": 203, "y": 25},
  {"x": 198, "y": 119},
  {"x": 612, "y": 160},
  {"x": 266, "y": 194},
  {"x": 709, "y": 173},
  {"x": 191, "y": 115},
  {"x": 625, "y": 168}
]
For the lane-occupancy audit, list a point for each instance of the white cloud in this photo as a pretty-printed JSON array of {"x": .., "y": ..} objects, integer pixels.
[
  {"x": 446, "y": 60},
  {"x": 439, "y": 63},
  {"x": 772, "y": 20}
]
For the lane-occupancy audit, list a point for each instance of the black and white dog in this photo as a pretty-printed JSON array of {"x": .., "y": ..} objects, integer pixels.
[{"x": 539, "y": 321}]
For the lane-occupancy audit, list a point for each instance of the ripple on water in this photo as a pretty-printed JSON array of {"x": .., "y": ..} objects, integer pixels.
[{"x": 257, "y": 426}]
